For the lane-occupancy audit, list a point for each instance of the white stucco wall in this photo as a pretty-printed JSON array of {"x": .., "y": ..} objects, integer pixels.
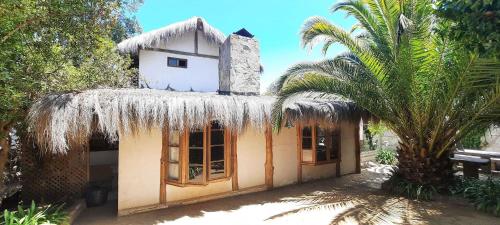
[
  {"x": 201, "y": 74},
  {"x": 251, "y": 158},
  {"x": 205, "y": 48},
  {"x": 175, "y": 193},
  {"x": 348, "y": 163},
  {"x": 139, "y": 166},
  {"x": 310, "y": 172},
  {"x": 285, "y": 157},
  {"x": 139, "y": 169}
]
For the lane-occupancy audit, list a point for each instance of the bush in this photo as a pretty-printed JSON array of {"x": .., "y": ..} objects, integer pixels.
[
  {"x": 385, "y": 156},
  {"x": 484, "y": 194},
  {"x": 403, "y": 187},
  {"x": 34, "y": 216},
  {"x": 474, "y": 138}
]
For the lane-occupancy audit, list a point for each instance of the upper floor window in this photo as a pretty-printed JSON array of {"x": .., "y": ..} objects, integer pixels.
[
  {"x": 319, "y": 145},
  {"x": 198, "y": 156},
  {"x": 177, "y": 62}
]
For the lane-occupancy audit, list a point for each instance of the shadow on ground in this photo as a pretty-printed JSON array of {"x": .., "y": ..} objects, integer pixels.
[{"x": 353, "y": 199}]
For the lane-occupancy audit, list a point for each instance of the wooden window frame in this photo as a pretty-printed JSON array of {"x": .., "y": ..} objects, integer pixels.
[
  {"x": 183, "y": 180},
  {"x": 314, "y": 137}
]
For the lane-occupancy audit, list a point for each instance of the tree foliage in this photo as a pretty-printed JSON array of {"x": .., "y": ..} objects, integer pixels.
[
  {"x": 58, "y": 45},
  {"x": 427, "y": 89},
  {"x": 476, "y": 24}
]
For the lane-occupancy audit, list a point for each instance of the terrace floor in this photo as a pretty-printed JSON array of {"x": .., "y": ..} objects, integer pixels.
[{"x": 352, "y": 199}]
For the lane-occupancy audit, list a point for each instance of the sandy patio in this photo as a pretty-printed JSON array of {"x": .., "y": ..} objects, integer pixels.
[{"x": 353, "y": 199}]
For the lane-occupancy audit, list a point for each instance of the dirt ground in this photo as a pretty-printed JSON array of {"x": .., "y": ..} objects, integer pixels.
[{"x": 352, "y": 199}]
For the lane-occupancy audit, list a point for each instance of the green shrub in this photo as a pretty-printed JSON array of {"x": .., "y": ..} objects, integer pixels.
[
  {"x": 484, "y": 194},
  {"x": 385, "y": 156},
  {"x": 34, "y": 216},
  {"x": 413, "y": 190},
  {"x": 403, "y": 187},
  {"x": 473, "y": 139}
]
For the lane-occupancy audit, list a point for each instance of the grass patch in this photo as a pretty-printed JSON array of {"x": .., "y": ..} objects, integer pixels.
[{"x": 34, "y": 215}]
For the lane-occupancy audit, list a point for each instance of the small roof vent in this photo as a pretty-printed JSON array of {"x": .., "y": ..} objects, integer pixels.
[{"x": 243, "y": 32}]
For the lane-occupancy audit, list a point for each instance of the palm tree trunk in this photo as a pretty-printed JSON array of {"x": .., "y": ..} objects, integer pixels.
[{"x": 421, "y": 167}]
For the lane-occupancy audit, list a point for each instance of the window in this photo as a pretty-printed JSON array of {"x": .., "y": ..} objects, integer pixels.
[
  {"x": 319, "y": 145},
  {"x": 198, "y": 156},
  {"x": 176, "y": 62},
  {"x": 217, "y": 152},
  {"x": 173, "y": 156},
  {"x": 196, "y": 160}
]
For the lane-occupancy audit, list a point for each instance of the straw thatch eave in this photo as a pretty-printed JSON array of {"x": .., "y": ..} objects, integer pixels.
[
  {"x": 171, "y": 32},
  {"x": 55, "y": 119}
]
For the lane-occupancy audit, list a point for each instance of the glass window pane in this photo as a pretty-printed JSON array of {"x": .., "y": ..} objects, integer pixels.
[
  {"x": 217, "y": 138},
  {"x": 195, "y": 165},
  {"x": 306, "y": 132},
  {"x": 216, "y": 126},
  {"x": 173, "y": 171},
  {"x": 173, "y": 138},
  {"x": 321, "y": 154},
  {"x": 307, "y": 143},
  {"x": 307, "y": 155},
  {"x": 196, "y": 156},
  {"x": 173, "y": 62},
  {"x": 321, "y": 145},
  {"x": 183, "y": 63},
  {"x": 173, "y": 154},
  {"x": 196, "y": 139},
  {"x": 217, "y": 153},
  {"x": 217, "y": 162}
]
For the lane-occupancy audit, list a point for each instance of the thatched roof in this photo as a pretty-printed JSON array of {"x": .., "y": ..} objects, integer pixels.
[
  {"x": 55, "y": 119},
  {"x": 171, "y": 32}
]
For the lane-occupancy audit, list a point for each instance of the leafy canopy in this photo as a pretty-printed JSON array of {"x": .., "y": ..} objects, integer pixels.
[
  {"x": 475, "y": 24},
  {"x": 55, "y": 45}
]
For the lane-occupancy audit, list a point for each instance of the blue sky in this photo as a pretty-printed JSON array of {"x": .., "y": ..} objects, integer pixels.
[{"x": 275, "y": 23}]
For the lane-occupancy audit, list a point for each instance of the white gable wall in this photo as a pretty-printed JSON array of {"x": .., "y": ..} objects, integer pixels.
[
  {"x": 205, "y": 48},
  {"x": 201, "y": 74}
]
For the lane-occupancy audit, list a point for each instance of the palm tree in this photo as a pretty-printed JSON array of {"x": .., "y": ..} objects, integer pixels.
[{"x": 426, "y": 89}]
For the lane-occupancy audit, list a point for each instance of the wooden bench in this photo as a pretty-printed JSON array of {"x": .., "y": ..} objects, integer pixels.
[
  {"x": 471, "y": 164},
  {"x": 494, "y": 157},
  {"x": 495, "y": 165}
]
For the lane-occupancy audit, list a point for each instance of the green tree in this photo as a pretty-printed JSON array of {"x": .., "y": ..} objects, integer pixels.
[
  {"x": 55, "y": 45},
  {"x": 428, "y": 90},
  {"x": 475, "y": 24}
]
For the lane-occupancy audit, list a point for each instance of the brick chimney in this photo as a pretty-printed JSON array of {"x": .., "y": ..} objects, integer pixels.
[{"x": 239, "y": 65}]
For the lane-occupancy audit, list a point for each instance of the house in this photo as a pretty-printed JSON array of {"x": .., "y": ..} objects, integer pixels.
[{"x": 199, "y": 129}]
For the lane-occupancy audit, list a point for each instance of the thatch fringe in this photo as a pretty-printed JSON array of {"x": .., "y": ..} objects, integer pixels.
[
  {"x": 55, "y": 119},
  {"x": 166, "y": 34},
  {"x": 318, "y": 108}
]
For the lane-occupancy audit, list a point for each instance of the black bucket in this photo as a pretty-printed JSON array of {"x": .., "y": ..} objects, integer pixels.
[{"x": 96, "y": 196}]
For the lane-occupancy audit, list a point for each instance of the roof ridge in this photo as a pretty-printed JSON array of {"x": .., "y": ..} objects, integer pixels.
[{"x": 171, "y": 32}]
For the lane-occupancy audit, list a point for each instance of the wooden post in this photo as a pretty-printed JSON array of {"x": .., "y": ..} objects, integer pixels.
[
  {"x": 269, "y": 157},
  {"x": 234, "y": 159},
  {"x": 339, "y": 154},
  {"x": 164, "y": 165},
  {"x": 313, "y": 146},
  {"x": 184, "y": 150},
  {"x": 357, "y": 149},
  {"x": 299, "y": 154}
]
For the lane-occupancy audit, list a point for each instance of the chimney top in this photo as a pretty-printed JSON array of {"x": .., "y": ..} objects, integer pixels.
[{"x": 244, "y": 32}]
